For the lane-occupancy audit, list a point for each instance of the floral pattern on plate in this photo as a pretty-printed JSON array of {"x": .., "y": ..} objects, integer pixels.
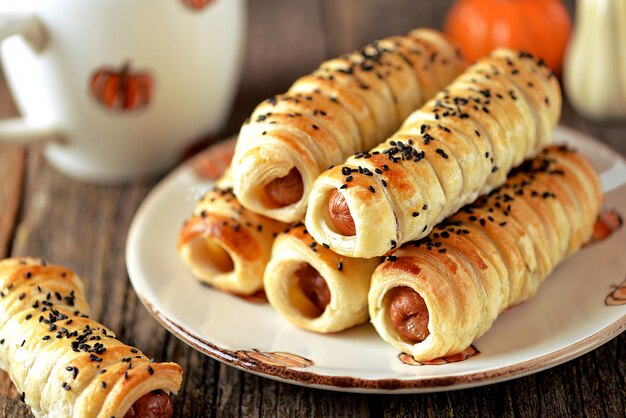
[{"x": 470, "y": 351}]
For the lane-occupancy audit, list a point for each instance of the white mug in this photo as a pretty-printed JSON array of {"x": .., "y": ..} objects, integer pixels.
[{"x": 119, "y": 89}]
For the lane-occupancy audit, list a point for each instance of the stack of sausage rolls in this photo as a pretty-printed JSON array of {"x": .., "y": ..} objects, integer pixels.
[
  {"x": 430, "y": 220},
  {"x": 65, "y": 364}
]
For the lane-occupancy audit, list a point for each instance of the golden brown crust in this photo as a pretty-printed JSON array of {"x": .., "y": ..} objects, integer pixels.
[
  {"x": 62, "y": 362},
  {"x": 349, "y": 104},
  {"x": 460, "y": 144},
  {"x": 346, "y": 279},
  {"x": 226, "y": 245},
  {"x": 491, "y": 255}
]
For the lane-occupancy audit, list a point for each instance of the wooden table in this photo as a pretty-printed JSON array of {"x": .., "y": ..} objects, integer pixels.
[{"x": 84, "y": 227}]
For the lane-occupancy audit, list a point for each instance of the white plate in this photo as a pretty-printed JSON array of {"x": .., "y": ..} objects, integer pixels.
[{"x": 572, "y": 313}]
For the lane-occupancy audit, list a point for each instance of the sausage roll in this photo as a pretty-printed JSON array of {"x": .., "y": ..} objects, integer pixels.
[
  {"x": 433, "y": 297},
  {"x": 64, "y": 364},
  {"x": 462, "y": 143},
  {"x": 226, "y": 245},
  {"x": 348, "y": 104},
  {"x": 314, "y": 288}
]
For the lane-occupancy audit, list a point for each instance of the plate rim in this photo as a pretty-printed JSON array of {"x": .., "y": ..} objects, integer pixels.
[{"x": 303, "y": 377}]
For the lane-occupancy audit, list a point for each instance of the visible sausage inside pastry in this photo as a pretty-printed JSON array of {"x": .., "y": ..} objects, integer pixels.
[
  {"x": 460, "y": 144},
  {"x": 314, "y": 288},
  {"x": 340, "y": 215},
  {"x": 286, "y": 190},
  {"x": 65, "y": 364},
  {"x": 348, "y": 104},
  {"x": 408, "y": 314},
  {"x": 155, "y": 404},
  {"x": 433, "y": 297}
]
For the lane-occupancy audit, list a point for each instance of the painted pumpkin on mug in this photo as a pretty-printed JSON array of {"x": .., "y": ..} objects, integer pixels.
[
  {"x": 197, "y": 4},
  {"x": 122, "y": 89}
]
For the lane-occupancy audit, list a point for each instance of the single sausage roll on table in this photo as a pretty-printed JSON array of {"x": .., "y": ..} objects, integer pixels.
[
  {"x": 433, "y": 297},
  {"x": 349, "y": 104},
  {"x": 314, "y": 288},
  {"x": 226, "y": 245},
  {"x": 462, "y": 143},
  {"x": 64, "y": 364}
]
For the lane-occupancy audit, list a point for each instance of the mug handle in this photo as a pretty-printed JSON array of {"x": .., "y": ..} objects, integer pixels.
[{"x": 16, "y": 130}]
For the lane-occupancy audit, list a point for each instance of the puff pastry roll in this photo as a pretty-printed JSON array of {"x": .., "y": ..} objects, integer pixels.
[
  {"x": 226, "y": 245},
  {"x": 314, "y": 288},
  {"x": 433, "y": 297},
  {"x": 64, "y": 364},
  {"x": 462, "y": 143},
  {"x": 348, "y": 104}
]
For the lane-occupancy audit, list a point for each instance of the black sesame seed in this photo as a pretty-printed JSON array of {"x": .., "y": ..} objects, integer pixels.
[
  {"x": 150, "y": 370},
  {"x": 340, "y": 266},
  {"x": 372, "y": 189}
]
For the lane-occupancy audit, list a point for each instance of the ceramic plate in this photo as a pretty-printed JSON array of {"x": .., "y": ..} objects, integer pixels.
[{"x": 581, "y": 306}]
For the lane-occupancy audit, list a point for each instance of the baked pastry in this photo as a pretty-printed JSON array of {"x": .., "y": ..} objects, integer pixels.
[
  {"x": 462, "y": 143},
  {"x": 64, "y": 364},
  {"x": 226, "y": 245},
  {"x": 433, "y": 297},
  {"x": 314, "y": 288},
  {"x": 349, "y": 104}
]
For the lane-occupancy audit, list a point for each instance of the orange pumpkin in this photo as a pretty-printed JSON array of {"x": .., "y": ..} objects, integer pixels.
[
  {"x": 541, "y": 27},
  {"x": 197, "y": 4},
  {"x": 121, "y": 89}
]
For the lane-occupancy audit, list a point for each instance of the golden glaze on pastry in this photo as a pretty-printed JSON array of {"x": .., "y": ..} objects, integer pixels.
[
  {"x": 314, "y": 288},
  {"x": 226, "y": 245},
  {"x": 349, "y": 104},
  {"x": 462, "y": 143},
  {"x": 433, "y": 297},
  {"x": 64, "y": 364}
]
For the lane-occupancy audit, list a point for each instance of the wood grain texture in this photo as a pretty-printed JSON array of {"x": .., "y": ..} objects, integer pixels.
[{"x": 45, "y": 214}]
